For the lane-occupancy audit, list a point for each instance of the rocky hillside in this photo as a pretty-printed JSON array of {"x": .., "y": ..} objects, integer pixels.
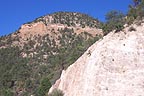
[
  {"x": 52, "y": 25},
  {"x": 33, "y": 57},
  {"x": 113, "y": 66},
  {"x": 69, "y": 19}
]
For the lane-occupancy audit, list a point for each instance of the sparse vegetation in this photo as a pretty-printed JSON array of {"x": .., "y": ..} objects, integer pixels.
[{"x": 70, "y": 19}]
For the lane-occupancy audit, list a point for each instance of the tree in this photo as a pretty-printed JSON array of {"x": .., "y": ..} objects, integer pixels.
[
  {"x": 136, "y": 11},
  {"x": 114, "y": 16},
  {"x": 114, "y": 20}
]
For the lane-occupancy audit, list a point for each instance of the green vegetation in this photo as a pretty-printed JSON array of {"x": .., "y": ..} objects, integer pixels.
[
  {"x": 6, "y": 92},
  {"x": 70, "y": 19},
  {"x": 13, "y": 70},
  {"x": 43, "y": 64},
  {"x": 136, "y": 11},
  {"x": 114, "y": 21},
  {"x": 43, "y": 88}
]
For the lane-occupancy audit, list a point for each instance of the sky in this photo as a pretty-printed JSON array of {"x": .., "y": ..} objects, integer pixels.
[{"x": 14, "y": 13}]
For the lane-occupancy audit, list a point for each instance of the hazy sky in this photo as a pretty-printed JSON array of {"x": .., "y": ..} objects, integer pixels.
[{"x": 13, "y": 13}]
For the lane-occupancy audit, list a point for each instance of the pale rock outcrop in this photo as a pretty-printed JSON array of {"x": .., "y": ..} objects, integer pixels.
[
  {"x": 32, "y": 30},
  {"x": 39, "y": 28},
  {"x": 115, "y": 67}
]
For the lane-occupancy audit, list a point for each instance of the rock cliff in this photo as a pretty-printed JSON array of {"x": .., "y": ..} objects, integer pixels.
[{"x": 113, "y": 66}]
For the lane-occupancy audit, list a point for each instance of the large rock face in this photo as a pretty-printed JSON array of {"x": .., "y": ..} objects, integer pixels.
[{"x": 115, "y": 67}]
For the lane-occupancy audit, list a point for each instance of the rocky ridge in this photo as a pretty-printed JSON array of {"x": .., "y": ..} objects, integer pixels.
[{"x": 51, "y": 25}]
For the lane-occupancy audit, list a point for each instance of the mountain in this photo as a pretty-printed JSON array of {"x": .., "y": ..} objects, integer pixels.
[
  {"x": 33, "y": 57},
  {"x": 113, "y": 66},
  {"x": 51, "y": 25}
]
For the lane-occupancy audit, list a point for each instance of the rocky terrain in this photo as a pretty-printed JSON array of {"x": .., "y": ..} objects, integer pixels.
[
  {"x": 33, "y": 57},
  {"x": 74, "y": 54},
  {"x": 113, "y": 66},
  {"x": 51, "y": 25}
]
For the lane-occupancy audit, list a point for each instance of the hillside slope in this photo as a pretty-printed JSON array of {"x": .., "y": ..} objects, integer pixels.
[
  {"x": 39, "y": 50},
  {"x": 113, "y": 66}
]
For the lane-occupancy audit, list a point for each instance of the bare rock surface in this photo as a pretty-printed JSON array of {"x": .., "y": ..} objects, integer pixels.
[{"x": 113, "y": 66}]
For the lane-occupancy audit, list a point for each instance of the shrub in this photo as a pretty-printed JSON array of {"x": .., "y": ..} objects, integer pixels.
[
  {"x": 7, "y": 92},
  {"x": 119, "y": 27},
  {"x": 130, "y": 20},
  {"x": 106, "y": 29},
  {"x": 44, "y": 87}
]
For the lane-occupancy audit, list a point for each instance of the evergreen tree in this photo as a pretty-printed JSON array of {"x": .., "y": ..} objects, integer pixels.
[{"x": 114, "y": 20}]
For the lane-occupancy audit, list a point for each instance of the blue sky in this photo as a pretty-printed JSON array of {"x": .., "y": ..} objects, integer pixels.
[{"x": 13, "y": 13}]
